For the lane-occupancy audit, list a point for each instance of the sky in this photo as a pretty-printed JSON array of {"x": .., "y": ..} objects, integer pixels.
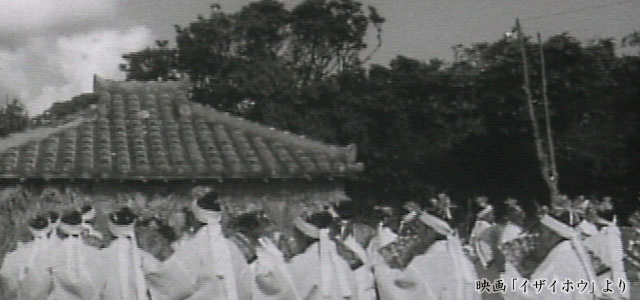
[{"x": 50, "y": 49}]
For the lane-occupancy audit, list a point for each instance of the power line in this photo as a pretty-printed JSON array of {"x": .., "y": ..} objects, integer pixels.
[{"x": 578, "y": 10}]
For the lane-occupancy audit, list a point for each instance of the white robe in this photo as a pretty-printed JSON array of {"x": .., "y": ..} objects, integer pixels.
[
  {"x": 25, "y": 272},
  {"x": 510, "y": 232},
  {"x": 407, "y": 283},
  {"x": 383, "y": 237},
  {"x": 481, "y": 247},
  {"x": 447, "y": 271},
  {"x": 320, "y": 273},
  {"x": 272, "y": 277},
  {"x": 207, "y": 266},
  {"x": 123, "y": 267},
  {"x": 77, "y": 271},
  {"x": 363, "y": 274},
  {"x": 606, "y": 244},
  {"x": 561, "y": 263}
]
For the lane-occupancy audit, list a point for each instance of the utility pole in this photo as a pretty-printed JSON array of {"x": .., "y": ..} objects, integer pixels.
[{"x": 543, "y": 157}]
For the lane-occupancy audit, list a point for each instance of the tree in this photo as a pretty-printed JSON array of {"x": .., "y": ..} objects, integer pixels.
[
  {"x": 593, "y": 114},
  {"x": 13, "y": 117},
  {"x": 421, "y": 127},
  {"x": 160, "y": 63},
  {"x": 262, "y": 51}
]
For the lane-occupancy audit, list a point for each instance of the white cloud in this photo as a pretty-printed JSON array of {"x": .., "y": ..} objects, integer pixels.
[
  {"x": 36, "y": 15},
  {"x": 49, "y": 69}
]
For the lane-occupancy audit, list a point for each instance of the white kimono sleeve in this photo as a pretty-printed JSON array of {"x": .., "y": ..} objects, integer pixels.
[
  {"x": 272, "y": 279},
  {"x": 560, "y": 264},
  {"x": 177, "y": 277},
  {"x": 77, "y": 271},
  {"x": 124, "y": 279},
  {"x": 407, "y": 283},
  {"x": 26, "y": 272}
]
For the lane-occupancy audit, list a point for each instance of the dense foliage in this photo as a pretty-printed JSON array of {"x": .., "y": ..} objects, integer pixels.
[
  {"x": 421, "y": 127},
  {"x": 13, "y": 117},
  {"x": 63, "y": 109}
]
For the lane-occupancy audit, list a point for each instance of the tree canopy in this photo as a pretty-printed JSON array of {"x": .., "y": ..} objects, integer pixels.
[
  {"x": 13, "y": 117},
  {"x": 421, "y": 127}
]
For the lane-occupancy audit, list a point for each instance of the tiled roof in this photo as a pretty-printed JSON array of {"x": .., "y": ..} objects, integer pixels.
[{"x": 149, "y": 130}]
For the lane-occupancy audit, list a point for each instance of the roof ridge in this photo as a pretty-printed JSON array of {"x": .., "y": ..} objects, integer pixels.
[
  {"x": 100, "y": 84},
  {"x": 18, "y": 139}
]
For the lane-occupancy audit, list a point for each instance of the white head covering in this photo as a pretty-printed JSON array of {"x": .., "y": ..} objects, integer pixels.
[
  {"x": 306, "y": 228},
  {"x": 569, "y": 233},
  {"x": 128, "y": 247},
  {"x": 462, "y": 272},
  {"x": 437, "y": 224},
  {"x": 39, "y": 236},
  {"x": 219, "y": 249},
  {"x": 72, "y": 249},
  {"x": 558, "y": 227},
  {"x": 89, "y": 215},
  {"x": 40, "y": 233},
  {"x": 207, "y": 216},
  {"x": 69, "y": 229},
  {"x": 328, "y": 259}
]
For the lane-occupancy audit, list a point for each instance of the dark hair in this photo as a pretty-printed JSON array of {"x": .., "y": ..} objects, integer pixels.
[
  {"x": 607, "y": 214},
  {"x": 39, "y": 222},
  {"x": 321, "y": 219},
  {"x": 248, "y": 223},
  {"x": 209, "y": 202},
  {"x": 85, "y": 209},
  {"x": 123, "y": 217},
  {"x": 71, "y": 217},
  {"x": 53, "y": 216},
  {"x": 346, "y": 210}
]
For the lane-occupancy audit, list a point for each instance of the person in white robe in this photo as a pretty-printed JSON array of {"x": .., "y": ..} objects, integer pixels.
[
  {"x": 484, "y": 221},
  {"x": 124, "y": 260},
  {"x": 271, "y": 276},
  {"x": 26, "y": 272},
  {"x": 384, "y": 233},
  {"x": 54, "y": 234},
  {"x": 77, "y": 266},
  {"x": 90, "y": 235},
  {"x": 397, "y": 275},
  {"x": 567, "y": 259},
  {"x": 351, "y": 234},
  {"x": 207, "y": 266},
  {"x": 320, "y": 272},
  {"x": 446, "y": 268},
  {"x": 606, "y": 244}
]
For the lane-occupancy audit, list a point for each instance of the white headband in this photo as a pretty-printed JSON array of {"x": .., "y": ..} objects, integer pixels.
[
  {"x": 40, "y": 233},
  {"x": 70, "y": 229},
  {"x": 306, "y": 228},
  {"x": 89, "y": 215},
  {"x": 558, "y": 227},
  {"x": 436, "y": 223},
  {"x": 485, "y": 211},
  {"x": 205, "y": 215},
  {"x": 121, "y": 230}
]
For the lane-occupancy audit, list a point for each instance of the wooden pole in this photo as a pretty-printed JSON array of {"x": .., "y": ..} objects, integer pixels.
[
  {"x": 542, "y": 155},
  {"x": 547, "y": 115}
]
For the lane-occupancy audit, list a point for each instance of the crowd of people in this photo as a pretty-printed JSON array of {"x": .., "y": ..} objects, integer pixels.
[{"x": 343, "y": 251}]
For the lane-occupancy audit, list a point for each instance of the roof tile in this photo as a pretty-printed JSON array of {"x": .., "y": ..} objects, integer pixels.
[{"x": 149, "y": 130}]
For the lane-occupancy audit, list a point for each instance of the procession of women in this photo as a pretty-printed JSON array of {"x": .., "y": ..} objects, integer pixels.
[{"x": 570, "y": 250}]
